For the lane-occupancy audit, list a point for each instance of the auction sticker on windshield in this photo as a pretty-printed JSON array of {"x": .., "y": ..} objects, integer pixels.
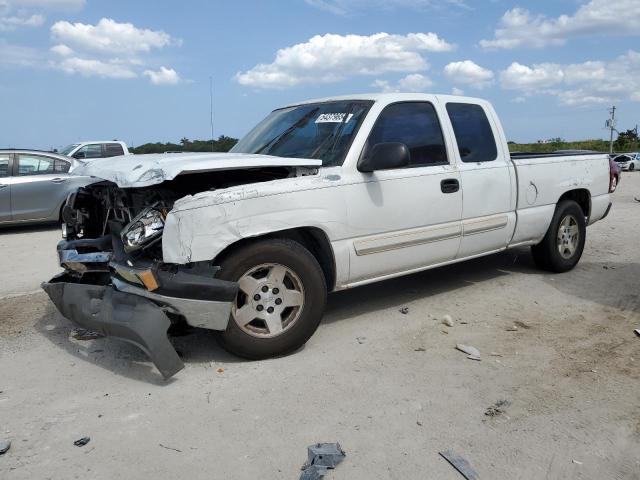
[{"x": 333, "y": 117}]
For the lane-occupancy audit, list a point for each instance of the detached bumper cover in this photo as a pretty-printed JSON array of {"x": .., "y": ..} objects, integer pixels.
[
  {"x": 110, "y": 298},
  {"x": 116, "y": 314}
]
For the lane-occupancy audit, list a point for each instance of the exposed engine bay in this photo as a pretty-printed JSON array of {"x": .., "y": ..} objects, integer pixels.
[{"x": 135, "y": 216}]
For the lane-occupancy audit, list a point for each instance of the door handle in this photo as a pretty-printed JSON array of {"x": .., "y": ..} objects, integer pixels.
[
  {"x": 449, "y": 185},
  {"x": 58, "y": 180}
]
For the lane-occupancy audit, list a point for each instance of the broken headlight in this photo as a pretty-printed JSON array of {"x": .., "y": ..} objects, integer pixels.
[{"x": 144, "y": 229}]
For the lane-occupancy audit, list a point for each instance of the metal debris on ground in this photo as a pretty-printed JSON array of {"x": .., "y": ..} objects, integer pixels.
[
  {"x": 512, "y": 329},
  {"x": 420, "y": 349},
  {"x": 5, "y": 445},
  {"x": 220, "y": 370},
  {"x": 404, "y": 310},
  {"x": 81, "y": 442},
  {"x": 637, "y": 330},
  {"x": 361, "y": 340},
  {"x": 320, "y": 458},
  {"x": 447, "y": 320},
  {"x": 460, "y": 464},
  {"x": 170, "y": 448},
  {"x": 497, "y": 408},
  {"x": 85, "y": 334},
  {"x": 472, "y": 352}
]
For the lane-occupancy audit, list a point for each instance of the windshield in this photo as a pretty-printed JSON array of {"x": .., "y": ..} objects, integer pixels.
[
  {"x": 67, "y": 150},
  {"x": 316, "y": 130}
]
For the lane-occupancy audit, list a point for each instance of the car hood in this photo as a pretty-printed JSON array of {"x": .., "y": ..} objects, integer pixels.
[{"x": 130, "y": 171}]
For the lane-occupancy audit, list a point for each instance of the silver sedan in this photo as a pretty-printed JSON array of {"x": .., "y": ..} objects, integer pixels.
[{"x": 34, "y": 185}]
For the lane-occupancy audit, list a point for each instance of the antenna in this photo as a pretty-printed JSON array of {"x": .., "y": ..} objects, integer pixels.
[{"x": 211, "y": 110}]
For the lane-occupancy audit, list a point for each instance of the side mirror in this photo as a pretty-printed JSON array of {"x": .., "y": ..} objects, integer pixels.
[
  {"x": 78, "y": 155},
  {"x": 385, "y": 156}
]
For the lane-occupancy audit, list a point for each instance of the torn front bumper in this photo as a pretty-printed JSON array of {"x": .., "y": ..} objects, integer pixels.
[{"x": 111, "y": 298}]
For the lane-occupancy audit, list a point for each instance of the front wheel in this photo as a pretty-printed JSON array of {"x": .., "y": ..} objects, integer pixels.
[
  {"x": 281, "y": 298},
  {"x": 562, "y": 246},
  {"x": 632, "y": 167}
]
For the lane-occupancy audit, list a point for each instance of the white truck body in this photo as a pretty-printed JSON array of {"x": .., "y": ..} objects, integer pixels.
[{"x": 249, "y": 244}]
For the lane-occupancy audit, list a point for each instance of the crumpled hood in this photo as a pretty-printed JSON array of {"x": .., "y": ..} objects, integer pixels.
[{"x": 129, "y": 171}]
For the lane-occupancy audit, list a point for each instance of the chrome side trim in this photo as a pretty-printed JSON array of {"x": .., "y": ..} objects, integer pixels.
[
  {"x": 198, "y": 313},
  {"x": 473, "y": 226},
  {"x": 408, "y": 238}
]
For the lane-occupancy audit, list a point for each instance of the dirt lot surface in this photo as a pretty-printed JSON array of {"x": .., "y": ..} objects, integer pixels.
[{"x": 390, "y": 387}]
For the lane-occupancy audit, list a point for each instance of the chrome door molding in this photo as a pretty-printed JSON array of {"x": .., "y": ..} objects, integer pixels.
[{"x": 488, "y": 223}]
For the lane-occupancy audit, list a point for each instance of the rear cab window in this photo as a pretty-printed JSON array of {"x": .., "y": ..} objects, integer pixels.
[
  {"x": 473, "y": 132},
  {"x": 113, "y": 150},
  {"x": 416, "y": 125}
]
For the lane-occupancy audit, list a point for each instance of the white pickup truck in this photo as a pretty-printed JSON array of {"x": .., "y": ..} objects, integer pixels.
[{"x": 320, "y": 196}]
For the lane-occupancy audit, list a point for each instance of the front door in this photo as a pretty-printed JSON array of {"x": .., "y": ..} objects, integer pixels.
[{"x": 407, "y": 218}]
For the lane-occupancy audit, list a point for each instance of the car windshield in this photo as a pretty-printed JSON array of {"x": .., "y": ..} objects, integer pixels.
[
  {"x": 316, "y": 130},
  {"x": 67, "y": 150}
]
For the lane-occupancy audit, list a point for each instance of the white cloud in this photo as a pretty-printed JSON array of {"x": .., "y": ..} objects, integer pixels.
[
  {"x": 537, "y": 77},
  {"x": 344, "y": 7},
  {"x": 109, "y": 36},
  {"x": 468, "y": 73},
  {"x": 414, "y": 82},
  {"x": 110, "y": 49},
  {"x": 592, "y": 82},
  {"x": 96, "y": 68},
  {"x": 457, "y": 91},
  {"x": 332, "y": 57},
  {"x": 520, "y": 28},
  {"x": 9, "y": 23},
  {"x": 164, "y": 76}
]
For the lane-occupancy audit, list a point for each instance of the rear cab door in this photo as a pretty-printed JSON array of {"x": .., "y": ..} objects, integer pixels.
[
  {"x": 487, "y": 175},
  {"x": 5, "y": 186},
  {"x": 38, "y": 186}
]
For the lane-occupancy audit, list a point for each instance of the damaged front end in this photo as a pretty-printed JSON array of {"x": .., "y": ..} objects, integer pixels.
[{"x": 115, "y": 281}]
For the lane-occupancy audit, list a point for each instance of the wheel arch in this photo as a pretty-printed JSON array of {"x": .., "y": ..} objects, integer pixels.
[
  {"x": 581, "y": 196},
  {"x": 313, "y": 239}
]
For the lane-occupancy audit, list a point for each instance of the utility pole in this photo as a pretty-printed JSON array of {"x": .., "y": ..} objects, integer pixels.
[
  {"x": 612, "y": 126},
  {"x": 211, "y": 110}
]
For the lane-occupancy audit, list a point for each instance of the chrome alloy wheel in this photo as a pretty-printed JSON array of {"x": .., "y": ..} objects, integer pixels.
[
  {"x": 269, "y": 301},
  {"x": 568, "y": 237}
]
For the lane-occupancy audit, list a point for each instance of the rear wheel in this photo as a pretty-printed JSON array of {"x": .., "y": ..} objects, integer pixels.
[
  {"x": 632, "y": 167},
  {"x": 280, "y": 301},
  {"x": 562, "y": 246}
]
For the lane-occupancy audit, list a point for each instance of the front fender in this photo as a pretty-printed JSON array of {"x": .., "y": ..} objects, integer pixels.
[{"x": 199, "y": 228}]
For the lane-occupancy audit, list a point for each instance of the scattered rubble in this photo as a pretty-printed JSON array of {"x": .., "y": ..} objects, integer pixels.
[
  {"x": 460, "y": 464},
  {"x": 497, "y": 408},
  {"x": 404, "y": 310},
  {"x": 447, "y": 320},
  {"x": 5, "y": 445},
  {"x": 361, "y": 340},
  {"x": 472, "y": 352},
  {"x": 637, "y": 330},
  {"x": 220, "y": 370},
  {"x": 82, "y": 441},
  {"x": 320, "y": 458},
  {"x": 170, "y": 448},
  {"x": 512, "y": 329}
]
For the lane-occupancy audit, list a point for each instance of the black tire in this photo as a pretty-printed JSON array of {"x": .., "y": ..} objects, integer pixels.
[
  {"x": 546, "y": 254},
  {"x": 632, "y": 167},
  {"x": 298, "y": 259}
]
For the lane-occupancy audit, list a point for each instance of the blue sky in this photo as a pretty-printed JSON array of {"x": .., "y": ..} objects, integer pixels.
[{"x": 139, "y": 71}]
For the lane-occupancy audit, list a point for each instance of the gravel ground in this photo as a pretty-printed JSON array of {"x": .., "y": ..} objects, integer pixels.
[{"x": 390, "y": 387}]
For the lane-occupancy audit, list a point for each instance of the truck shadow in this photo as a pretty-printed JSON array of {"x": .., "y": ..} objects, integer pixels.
[
  {"x": 28, "y": 228},
  {"x": 402, "y": 290},
  {"x": 198, "y": 347}
]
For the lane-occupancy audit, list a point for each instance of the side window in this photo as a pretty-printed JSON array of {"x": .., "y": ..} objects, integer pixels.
[
  {"x": 60, "y": 166},
  {"x": 113, "y": 150},
  {"x": 34, "y": 165},
  {"x": 90, "y": 151},
  {"x": 4, "y": 166},
  {"x": 473, "y": 132},
  {"x": 416, "y": 125}
]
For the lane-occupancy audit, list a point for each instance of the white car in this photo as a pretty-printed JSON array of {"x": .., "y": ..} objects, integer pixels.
[
  {"x": 628, "y": 161},
  {"x": 320, "y": 196},
  {"x": 95, "y": 149}
]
